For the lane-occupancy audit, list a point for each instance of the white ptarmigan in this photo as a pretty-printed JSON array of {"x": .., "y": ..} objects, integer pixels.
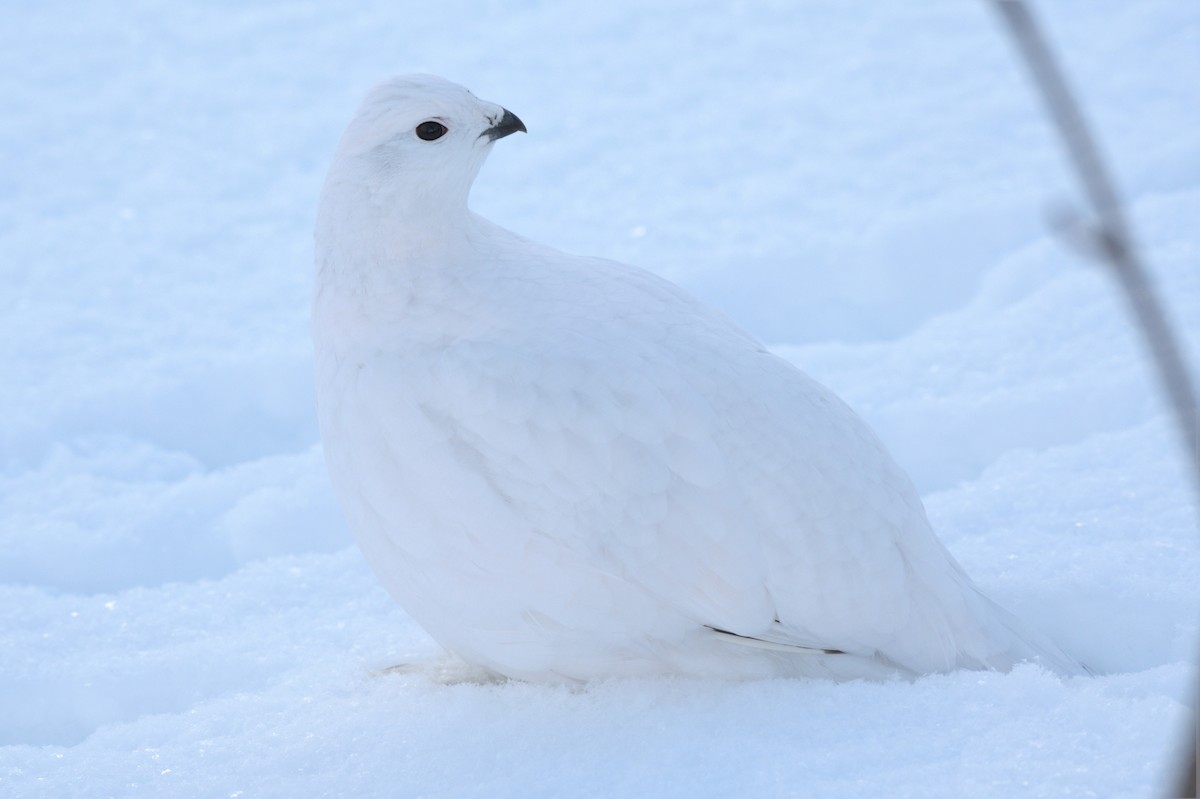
[{"x": 566, "y": 468}]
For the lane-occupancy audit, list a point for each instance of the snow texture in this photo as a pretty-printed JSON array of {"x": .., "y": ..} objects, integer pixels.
[{"x": 863, "y": 187}]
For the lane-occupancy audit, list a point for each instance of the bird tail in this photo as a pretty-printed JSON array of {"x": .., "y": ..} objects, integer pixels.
[{"x": 1028, "y": 645}]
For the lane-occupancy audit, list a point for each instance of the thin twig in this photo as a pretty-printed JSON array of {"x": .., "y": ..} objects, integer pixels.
[
  {"x": 1110, "y": 236},
  {"x": 1112, "y": 244}
]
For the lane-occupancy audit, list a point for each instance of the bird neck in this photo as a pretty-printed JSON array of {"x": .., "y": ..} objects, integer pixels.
[
  {"x": 378, "y": 231},
  {"x": 378, "y": 264}
]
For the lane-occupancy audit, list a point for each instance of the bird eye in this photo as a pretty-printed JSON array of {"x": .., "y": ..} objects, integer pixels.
[{"x": 431, "y": 130}]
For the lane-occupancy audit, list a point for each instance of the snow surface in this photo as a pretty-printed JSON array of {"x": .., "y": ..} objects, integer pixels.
[{"x": 181, "y": 610}]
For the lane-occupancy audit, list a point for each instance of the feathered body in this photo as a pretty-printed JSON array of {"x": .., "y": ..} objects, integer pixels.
[{"x": 566, "y": 468}]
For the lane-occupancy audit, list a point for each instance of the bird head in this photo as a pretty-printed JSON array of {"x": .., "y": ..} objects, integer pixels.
[{"x": 417, "y": 143}]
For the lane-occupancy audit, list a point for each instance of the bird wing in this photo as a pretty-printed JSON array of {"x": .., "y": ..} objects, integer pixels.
[{"x": 644, "y": 433}]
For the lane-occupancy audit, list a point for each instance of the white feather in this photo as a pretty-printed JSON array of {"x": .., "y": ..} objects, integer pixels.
[{"x": 566, "y": 468}]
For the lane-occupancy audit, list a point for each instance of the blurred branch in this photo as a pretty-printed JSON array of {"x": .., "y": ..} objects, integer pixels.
[{"x": 1108, "y": 239}]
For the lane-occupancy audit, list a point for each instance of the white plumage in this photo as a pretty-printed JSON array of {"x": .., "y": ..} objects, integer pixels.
[{"x": 566, "y": 468}]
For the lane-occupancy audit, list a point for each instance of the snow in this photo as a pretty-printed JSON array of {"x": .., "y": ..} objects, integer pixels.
[{"x": 181, "y": 610}]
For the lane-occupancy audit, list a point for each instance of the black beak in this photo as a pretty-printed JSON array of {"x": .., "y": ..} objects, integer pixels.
[{"x": 509, "y": 123}]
